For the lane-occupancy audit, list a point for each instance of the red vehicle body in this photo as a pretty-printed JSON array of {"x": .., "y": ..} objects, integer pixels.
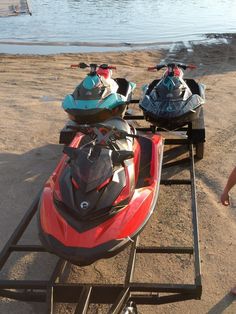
[{"x": 104, "y": 231}]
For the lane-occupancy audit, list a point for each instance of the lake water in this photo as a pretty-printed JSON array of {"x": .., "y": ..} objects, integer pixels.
[{"x": 110, "y": 24}]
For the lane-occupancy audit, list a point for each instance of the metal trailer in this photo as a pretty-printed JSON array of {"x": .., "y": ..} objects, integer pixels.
[{"x": 121, "y": 298}]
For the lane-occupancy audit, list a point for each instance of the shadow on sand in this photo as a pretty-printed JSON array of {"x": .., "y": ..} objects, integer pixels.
[
  {"x": 21, "y": 178},
  {"x": 222, "y": 305}
]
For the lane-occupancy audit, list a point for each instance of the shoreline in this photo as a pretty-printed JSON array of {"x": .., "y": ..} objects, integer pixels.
[{"x": 50, "y": 48}]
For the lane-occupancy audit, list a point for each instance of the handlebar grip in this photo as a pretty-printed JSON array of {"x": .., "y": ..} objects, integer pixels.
[
  {"x": 74, "y": 65},
  {"x": 152, "y": 69},
  {"x": 192, "y": 66}
]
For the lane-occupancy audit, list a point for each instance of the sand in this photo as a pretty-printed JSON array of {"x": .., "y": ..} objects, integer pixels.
[
  {"x": 14, "y": 7},
  {"x": 31, "y": 90}
]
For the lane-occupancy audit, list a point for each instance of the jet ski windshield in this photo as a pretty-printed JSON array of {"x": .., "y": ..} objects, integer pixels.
[
  {"x": 172, "y": 89},
  {"x": 91, "y": 166},
  {"x": 91, "y": 88}
]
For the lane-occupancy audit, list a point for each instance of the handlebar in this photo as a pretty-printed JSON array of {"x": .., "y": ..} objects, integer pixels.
[
  {"x": 102, "y": 133},
  {"x": 152, "y": 69},
  {"x": 172, "y": 66},
  {"x": 93, "y": 66}
]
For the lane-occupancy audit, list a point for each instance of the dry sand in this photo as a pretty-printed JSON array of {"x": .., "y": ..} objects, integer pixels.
[
  {"x": 14, "y": 7},
  {"x": 31, "y": 90}
]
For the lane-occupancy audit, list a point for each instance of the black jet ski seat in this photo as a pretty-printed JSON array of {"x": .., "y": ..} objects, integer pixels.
[{"x": 121, "y": 124}]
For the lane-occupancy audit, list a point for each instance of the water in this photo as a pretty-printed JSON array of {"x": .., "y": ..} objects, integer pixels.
[{"x": 76, "y": 24}]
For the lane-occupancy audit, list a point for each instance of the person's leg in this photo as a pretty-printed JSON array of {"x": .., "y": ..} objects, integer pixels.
[{"x": 233, "y": 290}]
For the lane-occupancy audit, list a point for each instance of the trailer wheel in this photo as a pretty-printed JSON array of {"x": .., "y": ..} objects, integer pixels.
[{"x": 199, "y": 150}]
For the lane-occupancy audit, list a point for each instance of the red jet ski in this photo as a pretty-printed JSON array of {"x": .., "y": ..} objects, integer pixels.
[{"x": 102, "y": 192}]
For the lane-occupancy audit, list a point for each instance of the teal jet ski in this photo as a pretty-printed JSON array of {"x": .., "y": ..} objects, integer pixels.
[{"x": 98, "y": 97}]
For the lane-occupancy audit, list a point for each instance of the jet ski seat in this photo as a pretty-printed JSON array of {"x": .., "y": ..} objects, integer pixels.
[
  {"x": 118, "y": 123},
  {"x": 123, "y": 86},
  {"x": 122, "y": 125},
  {"x": 193, "y": 85}
]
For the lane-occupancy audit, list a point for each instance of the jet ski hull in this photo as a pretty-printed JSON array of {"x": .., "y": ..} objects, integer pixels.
[{"x": 82, "y": 244}]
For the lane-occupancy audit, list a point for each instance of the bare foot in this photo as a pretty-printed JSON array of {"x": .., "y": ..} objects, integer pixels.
[{"x": 233, "y": 290}]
